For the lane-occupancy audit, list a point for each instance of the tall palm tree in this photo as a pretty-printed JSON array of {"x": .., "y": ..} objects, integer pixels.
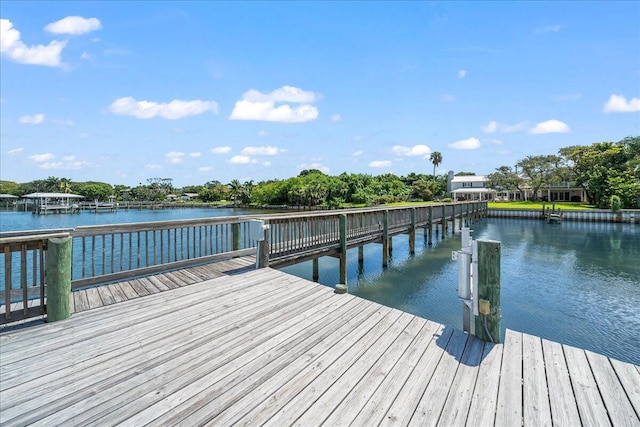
[
  {"x": 436, "y": 159},
  {"x": 236, "y": 189}
]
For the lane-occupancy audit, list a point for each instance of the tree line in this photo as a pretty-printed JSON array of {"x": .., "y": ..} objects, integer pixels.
[{"x": 605, "y": 170}]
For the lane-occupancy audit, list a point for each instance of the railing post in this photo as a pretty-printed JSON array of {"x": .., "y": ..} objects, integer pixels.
[
  {"x": 488, "y": 288},
  {"x": 412, "y": 232},
  {"x": 235, "y": 236},
  {"x": 58, "y": 278},
  {"x": 385, "y": 238},
  {"x": 343, "y": 249},
  {"x": 264, "y": 247}
]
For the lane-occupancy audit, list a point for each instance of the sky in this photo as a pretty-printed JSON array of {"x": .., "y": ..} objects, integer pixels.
[{"x": 121, "y": 92}]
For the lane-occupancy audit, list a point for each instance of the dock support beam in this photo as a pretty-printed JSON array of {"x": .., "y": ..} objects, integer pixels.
[
  {"x": 316, "y": 270},
  {"x": 361, "y": 259},
  {"x": 58, "y": 278},
  {"x": 412, "y": 232},
  {"x": 429, "y": 229},
  {"x": 443, "y": 223},
  {"x": 488, "y": 287},
  {"x": 343, "y": 249},
  {"x": 385, "y": 238}
]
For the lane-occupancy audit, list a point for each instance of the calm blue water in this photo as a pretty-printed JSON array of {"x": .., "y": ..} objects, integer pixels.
[
  {"x": 575, "y": 283},
  {"x": 12, "y": 221}
]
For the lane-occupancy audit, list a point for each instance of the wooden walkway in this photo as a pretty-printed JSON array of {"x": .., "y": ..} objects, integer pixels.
[{"x": 265, "y": 348}]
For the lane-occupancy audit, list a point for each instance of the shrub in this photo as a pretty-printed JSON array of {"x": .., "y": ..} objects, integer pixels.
[{"x": 615, "y": 203}]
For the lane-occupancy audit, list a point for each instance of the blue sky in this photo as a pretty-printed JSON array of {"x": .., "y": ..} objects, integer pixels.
[{"x": 199, "y": 91}]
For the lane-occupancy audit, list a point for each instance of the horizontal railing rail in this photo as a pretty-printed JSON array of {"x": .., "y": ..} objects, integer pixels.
[{"x": 105, "y": 253}]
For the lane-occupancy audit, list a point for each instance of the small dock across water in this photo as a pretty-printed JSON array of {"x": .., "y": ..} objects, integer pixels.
[{"x": 224, "y": 344}]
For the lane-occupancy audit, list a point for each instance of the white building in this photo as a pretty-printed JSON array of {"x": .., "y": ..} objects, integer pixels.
[
  {"x": 470, "y": 187},
  {"x": 475, "y": 187}
]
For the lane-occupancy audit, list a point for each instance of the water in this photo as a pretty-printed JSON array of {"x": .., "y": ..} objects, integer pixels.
[
  {"x": 574, "y": 283},
  {"x": 13, "y": 221}
]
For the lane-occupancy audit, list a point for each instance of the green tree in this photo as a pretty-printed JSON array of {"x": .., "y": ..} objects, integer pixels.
[
  {"x": 541, "y": 170},
  {"x": 504, "y": 178}
]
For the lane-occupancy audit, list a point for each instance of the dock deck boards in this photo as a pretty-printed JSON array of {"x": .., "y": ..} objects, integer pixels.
[{"x": 261, "y": 347}]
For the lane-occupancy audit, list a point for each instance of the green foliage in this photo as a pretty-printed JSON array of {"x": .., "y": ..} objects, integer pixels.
[
  {"x": 615, "y": 203},
  {"x": 9, "y": 187},
  {"x": 605, "y": 169},
  {"x": 436, "y": 159}
]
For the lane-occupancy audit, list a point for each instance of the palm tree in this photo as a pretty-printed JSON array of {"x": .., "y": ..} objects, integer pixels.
[
  {"x": 65, "y": 185},
  {"x": 436, "y": 159},
  {"x": 236, "y": 189}
]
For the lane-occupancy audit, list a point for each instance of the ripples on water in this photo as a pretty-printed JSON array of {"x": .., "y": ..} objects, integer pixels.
[{"x": 574, "y": 283}]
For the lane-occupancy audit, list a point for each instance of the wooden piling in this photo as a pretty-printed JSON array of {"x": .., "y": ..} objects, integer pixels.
[
  {"x": 385, "y": 238},
  {"x": 488, "y": 289},
  {"x": 430, "y": 226},
  {"x": 443, "y": 223},
  {"x": 361, "y": 259},
  {"x": 343, "y": 249},
  {"x": 235, "y": 235},
  {"x": 316, "y": 270},
  {"x": 263, "y": 249},
  {"x": 58, "y": 278},
  {"x": 412, "y": 232}
]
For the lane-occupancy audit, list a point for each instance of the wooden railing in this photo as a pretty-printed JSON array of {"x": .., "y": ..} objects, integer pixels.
[{"x": 107, "y": 253}]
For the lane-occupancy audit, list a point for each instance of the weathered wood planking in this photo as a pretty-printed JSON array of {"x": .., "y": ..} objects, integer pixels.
[{"x": 264, "y": 347}]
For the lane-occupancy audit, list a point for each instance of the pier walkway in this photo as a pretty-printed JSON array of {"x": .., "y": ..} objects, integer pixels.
[{"x": 225, "y": 344}]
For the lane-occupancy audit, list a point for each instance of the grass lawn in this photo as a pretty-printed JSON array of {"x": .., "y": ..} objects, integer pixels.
[{"x": 538, "y": 205}]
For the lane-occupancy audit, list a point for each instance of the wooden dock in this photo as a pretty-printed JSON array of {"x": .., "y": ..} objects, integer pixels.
[{"x": 260, "y": 347}]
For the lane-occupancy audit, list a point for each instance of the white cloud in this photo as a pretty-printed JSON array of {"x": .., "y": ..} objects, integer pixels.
[
  {"x": 494, "y": 126},
  {"x": 174, "y": 157},
  {"x": 258, "y": 106},
  {"x": 466, "y": 144},
  {"x": 416, "y": 150},
  {"x": 462, "y": 74},
  {"x": 42, "y": 157},
  {"x": 242, "y": 160},
  {"x": 152, "y": 166},
  {"x": 86, "y": 56},
  {"x": 380, "y": 164},
  {"x": 68, "y": 162},
  {"x": 619, "y": 104},
  {"x": 221, "y": 150},
  {"x": 494, "y": 141},
  {"x": 262, "y": 133},
  {"x": 205, "y": 168},
  {"x": 173, "y": 110},
  {"x": 36, "y": 119},
  {"x": 358, "y": 137},
  {"x": 284, "y": 94},
  {"x": 550, "y": 126},
  {"x": 261, "y": 151},
  {"x": 267, "y": 164},
  {"x": 13, "y": 48},
  {"x": 548, "y": 29},
  {"x": 336, "y": 118},
  {"x": 195, "y": 154},
  {"x": 448, "y": 98},
  {"x": 15, "y": 151},
  {"x": 358, "y": 153},
  {"x": 74, "y": 25}
]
